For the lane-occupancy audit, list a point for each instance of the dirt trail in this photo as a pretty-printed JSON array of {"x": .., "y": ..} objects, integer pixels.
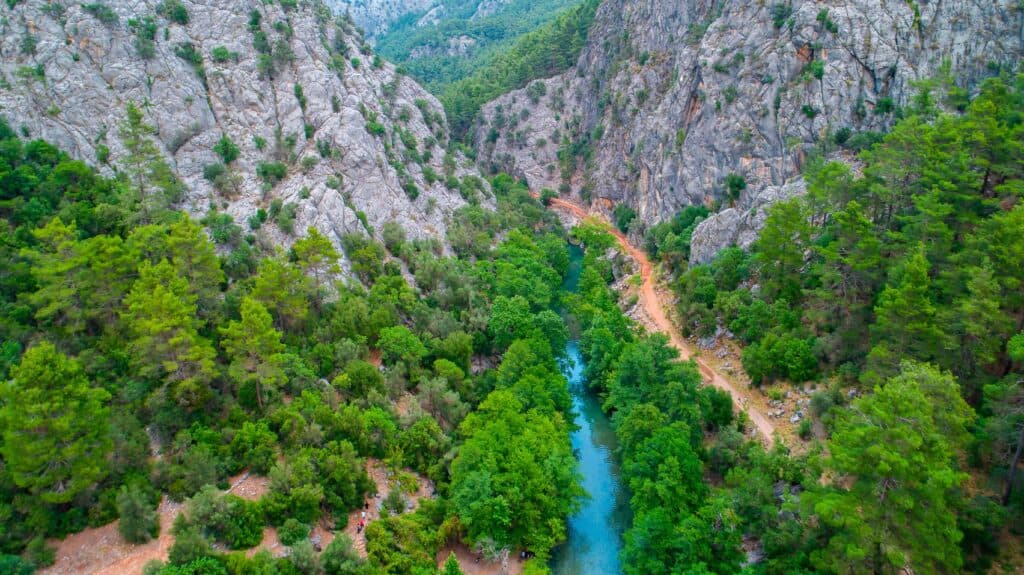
[
  {"x": 651, "y": 302},
  {"x": 102, "y": 550}
]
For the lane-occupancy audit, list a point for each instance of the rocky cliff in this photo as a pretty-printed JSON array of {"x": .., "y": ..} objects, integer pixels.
[
  {"x": 669, "y": 97},
  {"x": 326, "y": 129}
]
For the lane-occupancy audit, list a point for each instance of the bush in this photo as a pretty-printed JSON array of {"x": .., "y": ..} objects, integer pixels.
[
  {"x": 292, "y": 532},
  {"x": 254, "y": 446},
  {"x": 806, "y": 429},
  {"x": 340, "y": 556},
  {"x": 174, "y": 11},
  {"x": 220, "y": 54},
  {"x": 271, "y": 172},
  {"x": 394, "y": 501},
  {"x": 735, "y": 184},
  {"x": 139, "y": 521},
  {"x": 624, "y": 216},
  {"x": 213, "y": 171},
  {"x": 226, "y": 149},
  {"x": 101, "y": 12},
  {"x": 227, "y": 518}
]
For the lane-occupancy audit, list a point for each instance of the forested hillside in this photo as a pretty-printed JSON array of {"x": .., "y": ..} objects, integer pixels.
[
  {"x": 898, "y": 289},
  {"x": 458, "y": 37},
  {"x": 148, "y": 355}
]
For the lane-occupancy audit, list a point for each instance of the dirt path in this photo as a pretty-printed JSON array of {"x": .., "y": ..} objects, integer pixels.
[
  {"x": 472, "y": 564},
  {"x": 383, "y": 480},
  {"x": 655, "y": 308},
  {"x": 102, "y": 550}
]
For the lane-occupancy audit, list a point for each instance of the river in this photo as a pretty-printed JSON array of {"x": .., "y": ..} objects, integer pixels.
[{"x": 595, "y": 532}]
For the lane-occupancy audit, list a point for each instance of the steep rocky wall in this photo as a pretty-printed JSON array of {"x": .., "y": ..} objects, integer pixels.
[
  {"x": 669, "y": 96},
  {"x": 91, "y": 69}
]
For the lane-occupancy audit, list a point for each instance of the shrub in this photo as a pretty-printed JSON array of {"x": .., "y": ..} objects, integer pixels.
[
  {"x": 220, "y": 54},
  {"x": 101, "y": 12},
  {"x": 885, "y": 105},
  {"x": 174, "y": 11},
  {"x": 624, "y": 216},
  {"x": 226, "y": 149},
  {"x": 816, "y": 69},
  {"x": 292, "y": 532},
  {"x": 138, "y": 518},
  {"x": 374, "y": 127},
  {"x": 254, "y": 447},
  {"x": 355, "y": 63},
  {"x": 735, "y": 184},
  {"x": 271, "y": 172},
  {"x": 229, "y": 519},
  {"x": 780, "y": 13},
  {"x": 394, "y": 501},
  {"x": 286, "y": 219},
  {"x": 213, "y": 171},
  {"x": 806, "y": 429}
]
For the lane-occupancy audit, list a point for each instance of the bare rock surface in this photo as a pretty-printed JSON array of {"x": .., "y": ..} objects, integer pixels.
[{"x": 362, "y": 144}]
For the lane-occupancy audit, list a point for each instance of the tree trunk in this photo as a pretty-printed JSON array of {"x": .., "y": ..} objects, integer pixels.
[{"x": 1013, "y": 467}]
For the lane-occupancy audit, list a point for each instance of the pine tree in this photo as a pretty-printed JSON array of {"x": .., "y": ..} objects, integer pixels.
[
  {"x": 892, "y": 505},
  {"x": 253, "y": 346},
  {"x": 451, "y": 566},
  {"x": 161, "y": 314},
  {"x": 317, "y": 257},
  {"x": 192, "y": 254},
  {"x": 151, "y": 178},
  {"x": 138, "y": 519},
  {"x": 282, "y": 289},
  {"x": 56, "y": 426},
  {"x": 782, "y": 248},
  {"x": 905, "y": 320}
]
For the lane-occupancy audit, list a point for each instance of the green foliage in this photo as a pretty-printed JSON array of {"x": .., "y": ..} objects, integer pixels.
[
  {"x": 624, "y": 216},
  {"x": 271, "y": 172},
  {"x": 101, "y": 12},
  {"x": 734, "y": 185},
  {"x": 541, "y": 53},
  {"x": 670, "y": 240},
  {"x": 896, "y": 445},
  {"x": 174, "y": 11},
  {"x": 55, "y": 430},
  {"x": 226, "y": 519},
  {"x": 139, "y": 521},
  {"x": 293, "y": 532},
  {"x": 254, "y": 447},
  {"x": 226, "y": 149},
  {"x": 494, "y": 491},
  {"x": 220, "y": 54}
]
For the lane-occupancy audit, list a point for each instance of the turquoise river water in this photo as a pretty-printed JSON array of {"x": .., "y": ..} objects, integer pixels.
[{"x": 595, "y": 532}]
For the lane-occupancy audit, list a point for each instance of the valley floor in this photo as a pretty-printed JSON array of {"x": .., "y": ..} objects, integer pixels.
[{"x": 654, "y": 304}]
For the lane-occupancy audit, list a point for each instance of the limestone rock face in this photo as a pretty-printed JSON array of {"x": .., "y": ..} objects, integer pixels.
[
  {"x": 739, "y": 226},
  {"x": 670, "y": 96},
  {"x": 358, "y": 141}
]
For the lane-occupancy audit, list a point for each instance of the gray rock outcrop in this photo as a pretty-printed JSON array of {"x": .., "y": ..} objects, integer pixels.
[
  {"x": 358, "y": 141},
  {"x": 670, "y": 96}
]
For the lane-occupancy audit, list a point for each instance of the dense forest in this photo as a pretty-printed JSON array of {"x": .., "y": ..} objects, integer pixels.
[
  {"x": 897, "y": 287},
  {"x": 542, "y": 53},
  {"x": 146, "y": 354},
  {"x": 425, "y": 49}
]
